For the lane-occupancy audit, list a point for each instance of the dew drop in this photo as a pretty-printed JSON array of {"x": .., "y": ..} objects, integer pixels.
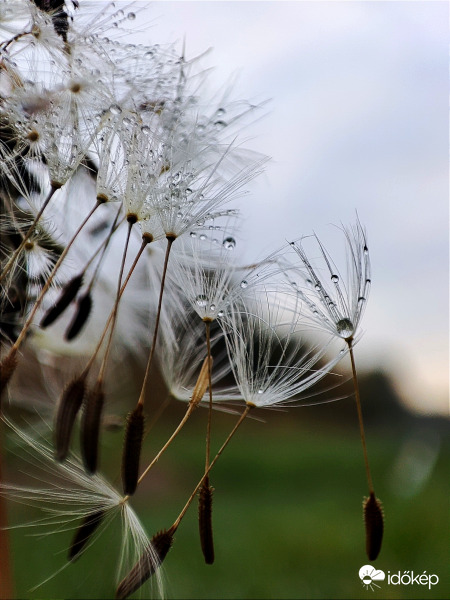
[
  {"x": 344, "y": 327},
  {"x": 229, "y": 243},
  {"x": 317, "y": 287},
  {"x": 201, "y": 300},
  {"x": 334, "y": 278},
  {"x": 131, "y": 16},
  {"x": 260, "y": 391},
  {"x": 366, "y": 250},
  {"x": 145, "y": 129},
  {"x": 202, "y": 237},
  {"x": 115, "y": 109},
  {"x": 212, "y": 307},
  {"x": 244, "y": 284},
  {"x": 220, "y": 313},
  {"x": 220, "y": 124}
]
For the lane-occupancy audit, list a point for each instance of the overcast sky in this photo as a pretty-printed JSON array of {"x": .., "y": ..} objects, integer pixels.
[{"x": 357, "y": 121}]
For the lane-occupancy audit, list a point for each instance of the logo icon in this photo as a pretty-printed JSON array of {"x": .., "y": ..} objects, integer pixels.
[{"x": 369, "y": 575}]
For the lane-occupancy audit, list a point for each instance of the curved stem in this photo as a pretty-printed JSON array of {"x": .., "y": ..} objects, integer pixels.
[
  {"x": 145, "y": 241},
  {"x": 116, "y": 304},
  {"x": 360, "y": 417},
  {"x": 213, "y": 462},
  {"x": 208, "y": 427}
]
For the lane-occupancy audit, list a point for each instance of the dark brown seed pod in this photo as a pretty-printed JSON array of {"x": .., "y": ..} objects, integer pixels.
[
  {"x": 68, "y": 293},
  {"x": 132, "y": 450},
  {"x": 90, "y": 427},
  {"x": 205, "y": 521},
  {"x": 82, "y": 312},
  {"x": 147, "y": 565},
  {"x": 374, "y": 523},
  {"x": 7, "y": 368},
  {"x": 83, "y": 534},
  {"x": 68, "y": 408}
]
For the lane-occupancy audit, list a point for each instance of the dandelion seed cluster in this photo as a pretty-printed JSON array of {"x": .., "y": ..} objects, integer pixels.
[{"x": 119, "y": 189}]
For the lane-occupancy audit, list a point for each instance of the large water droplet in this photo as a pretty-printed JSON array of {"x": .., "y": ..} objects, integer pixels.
[
  {"x": 131, "y": 16},
  {"x": 345, "y": 328},
  {"x": 201, "y": 300},
  {"x": 193, "y": 234},
  {"x": 229, "y": 243},
  {"x": 244, "y": 284},
  {"x": 334, "y": 278}
]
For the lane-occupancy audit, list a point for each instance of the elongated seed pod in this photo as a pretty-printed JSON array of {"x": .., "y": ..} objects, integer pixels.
[
  {"x": 205, "y": 521},
  {"x": 374, "y": 523},
  {"x": 132, "y": 450},
  {"x": 83, "y": 534},
  {"x": 90, "y": 426},
  {"x": 7, "y": 368},
  {"x": 82, "y": 312},
  {"x": 147, "y": 565},
  {"x": 68, "y": 408},
  {"x": 69, "y": 292}
]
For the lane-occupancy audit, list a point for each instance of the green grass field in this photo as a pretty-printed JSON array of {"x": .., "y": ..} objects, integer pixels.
[{"x": 287, "y": 516}]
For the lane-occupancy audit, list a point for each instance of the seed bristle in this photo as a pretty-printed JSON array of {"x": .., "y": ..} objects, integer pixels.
[
  {"x": 69, "y": 292},
  {"x": 7, "y": 368},
  {"x": 68, "y": 408},
  {"x": 374, "y": 524},
  {"x": 147, "y": 565},
  {"x": 84, "y": 532},
  {"x": 132, "y": 449},
  {"x": 205, "y": 521},
  {"x": 83, "y": 310},
  {"x": 90, "y": 427}
]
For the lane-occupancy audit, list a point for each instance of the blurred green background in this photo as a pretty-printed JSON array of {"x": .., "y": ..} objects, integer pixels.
[{"x": 287, "y": 508}]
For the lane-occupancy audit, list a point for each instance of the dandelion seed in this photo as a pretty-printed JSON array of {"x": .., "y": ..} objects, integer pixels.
[
  {"x": 68, "y": 294},
  {"x": 132, "y": 450},
  {"x": 68, "y": 408},
  {"x": 90, "y": 426},
  {"x": 205, "y": 521},
  {"x": 147, "y": 565},
  {"x": 374, "y": 523},
  {"x": 83, "y": 534}
]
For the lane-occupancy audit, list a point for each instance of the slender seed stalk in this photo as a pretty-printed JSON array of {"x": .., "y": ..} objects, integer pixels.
[
  {"x": 372, "y": 507},
  {"x": 145, "y": 241},
  {"x": 360, "y": 417},
  {"x": 208, "y": 427},
  {"x": 170, "y": 240},
  {"x": 205, "y": 494},
  {"x": 116, "y": 303},
  {"x": 27, "y": 235}
]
